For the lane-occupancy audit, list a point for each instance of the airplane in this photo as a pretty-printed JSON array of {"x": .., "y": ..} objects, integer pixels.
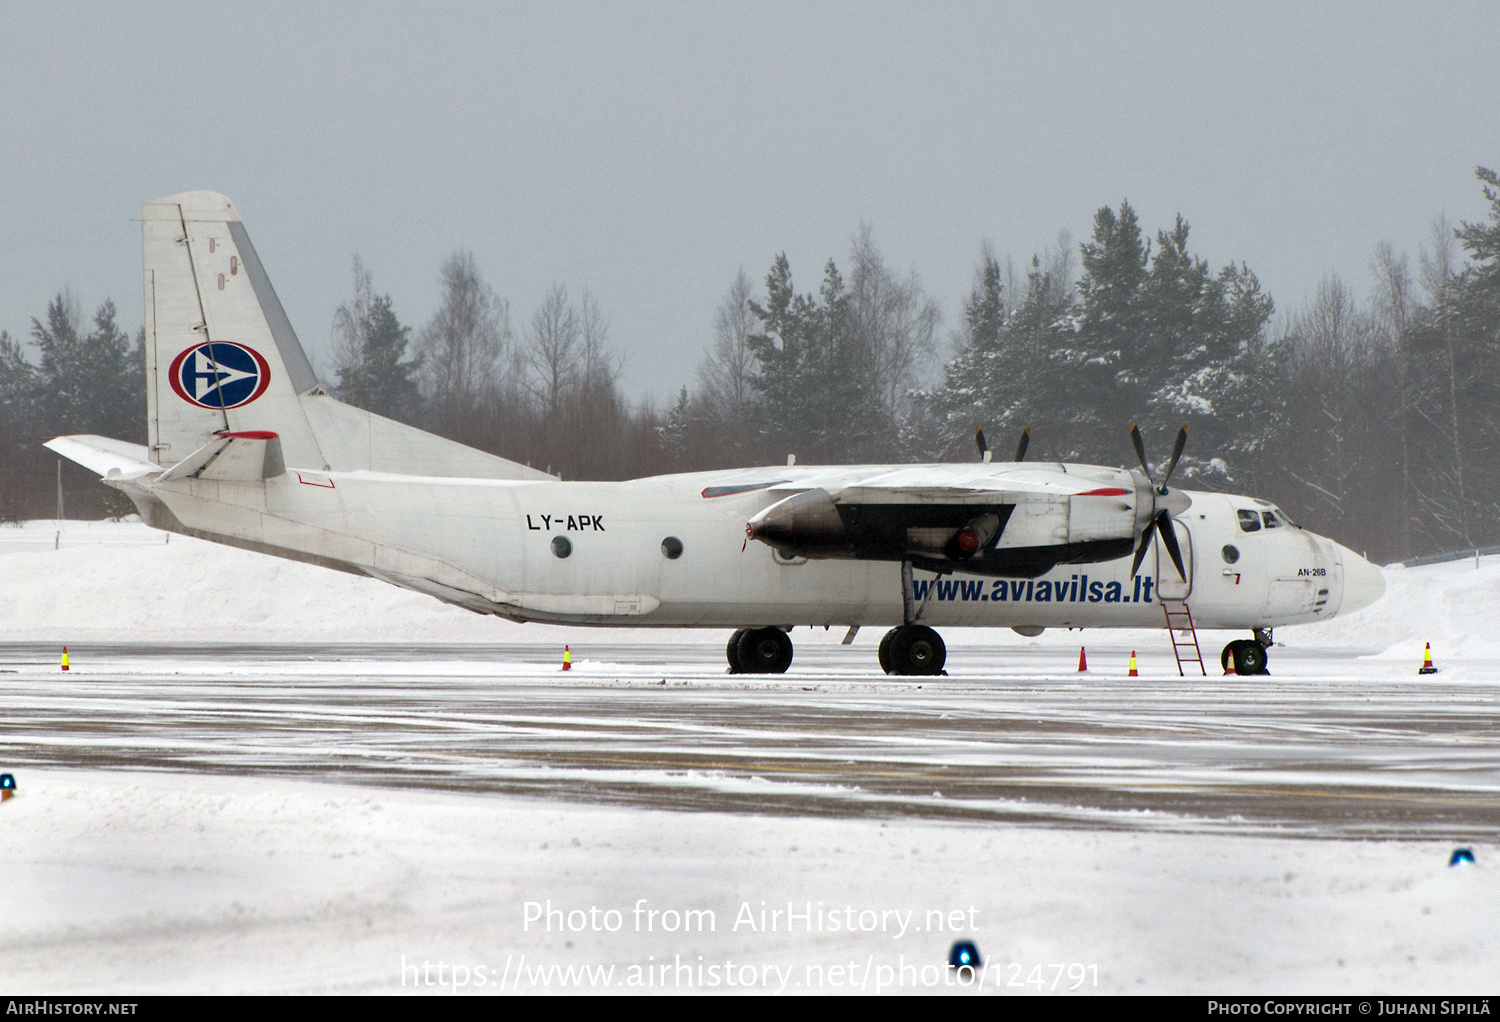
[{"x": 246, "y": 448}]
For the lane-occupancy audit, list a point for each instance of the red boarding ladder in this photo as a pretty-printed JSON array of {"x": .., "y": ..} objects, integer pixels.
[{"x": 1182, "y": 621}]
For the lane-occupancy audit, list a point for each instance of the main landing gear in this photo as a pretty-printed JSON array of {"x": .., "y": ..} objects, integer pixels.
[
  {"x": 912, "y": 649},
  {"x": 1249, "y": 655},
  {"x": 759, "y": 651}
]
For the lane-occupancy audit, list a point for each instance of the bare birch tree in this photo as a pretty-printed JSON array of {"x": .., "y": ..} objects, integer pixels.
[
  {"x": 598, "y": 368},
  {"x": 553, "y": 350},
  {"x": 463, "y": 345},
  {"x": 349, "y": 321},
  {"x": 726, "y": 372},
  {"x": 893, "y": 322}
]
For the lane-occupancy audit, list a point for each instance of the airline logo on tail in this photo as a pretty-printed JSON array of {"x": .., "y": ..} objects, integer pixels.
[{"x": 220, "y": 374}]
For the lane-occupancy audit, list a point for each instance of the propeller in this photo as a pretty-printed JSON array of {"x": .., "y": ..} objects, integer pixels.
[
  {"x": 1161, "y": 510},
  {"x": 984, "y": 448}
]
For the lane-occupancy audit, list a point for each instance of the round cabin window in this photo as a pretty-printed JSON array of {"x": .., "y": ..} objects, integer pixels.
[
  {"x": 561, "y": 546},
  {"x": 671, "y": 548},
  {"x": 1231, "y": 553}
]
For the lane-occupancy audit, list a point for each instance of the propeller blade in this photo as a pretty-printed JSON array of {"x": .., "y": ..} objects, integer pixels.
[
  {"x": 1140, "y": 450},
  {"x": 1140, "y": 553},
  {"x": 1176, "y": 453},
  {"x": 1024, "y": 443},
  {"x": 1169, "y": 540},
  {"x": 984, "y": 448}
]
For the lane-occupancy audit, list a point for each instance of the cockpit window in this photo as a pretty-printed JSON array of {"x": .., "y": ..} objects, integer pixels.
[
  {"x": 1249, "y": 521},
  {"x": 1270, "y": 520},
  {"x": 1285, "y": 520}
]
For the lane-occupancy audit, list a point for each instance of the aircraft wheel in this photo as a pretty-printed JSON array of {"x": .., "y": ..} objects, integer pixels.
[
  {"x": 732, "y": 651},
  {"x": 764, "y": 651},
  {"x": 885, "y": 650},
  {"x": 1249, "y": 657},
  {"x": 917, "y": 649}
]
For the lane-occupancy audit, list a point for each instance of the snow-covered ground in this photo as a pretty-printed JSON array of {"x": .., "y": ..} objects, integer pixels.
[
  {"x": 246, "y": 879},
  {"x": 151, "y": 882}
]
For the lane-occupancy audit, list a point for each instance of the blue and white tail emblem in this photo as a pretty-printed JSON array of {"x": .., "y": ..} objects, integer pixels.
[{"x": 220, "y": 374}]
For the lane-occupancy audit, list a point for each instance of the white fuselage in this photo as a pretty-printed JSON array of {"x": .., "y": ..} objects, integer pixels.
[{"x": 489, "y": 545}]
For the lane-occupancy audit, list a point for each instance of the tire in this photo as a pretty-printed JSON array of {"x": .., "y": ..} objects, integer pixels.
[
  {"x": 732, "y": 651},
  {"x": 764, "y": 651},
  {"x": 917, "y": 650},
  {"x": 1249, "y": 658},
  {"x": 885, "y": 650}
]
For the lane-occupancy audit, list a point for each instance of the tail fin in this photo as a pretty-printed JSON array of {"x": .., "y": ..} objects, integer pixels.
[{"x": 221, "y": 356}]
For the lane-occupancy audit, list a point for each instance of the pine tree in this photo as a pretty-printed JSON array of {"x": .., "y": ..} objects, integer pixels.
[
  {"x": 383, "y": 380},
  {"x": 1202, "y": 360},
  {"x": 674, "y": 433},
  {"x": 965, "y": 399},
  {"x": 88, "y": 383},
  {"x": 17, "y": 415},
  {"x": 1004, "y": 377},
  {"x": 813, "y": 396},
  {"x": 1104, "y": 350}
]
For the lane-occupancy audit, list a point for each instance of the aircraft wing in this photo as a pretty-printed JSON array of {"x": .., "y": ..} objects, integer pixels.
[
  {"x": 1001, "y": 519},
  {"x": 996, "y": 483}
]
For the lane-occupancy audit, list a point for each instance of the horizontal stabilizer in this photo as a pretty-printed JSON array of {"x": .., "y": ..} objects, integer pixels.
[
  {"x": 103, "y": 455},
  {"x": 247, "y": 457}
]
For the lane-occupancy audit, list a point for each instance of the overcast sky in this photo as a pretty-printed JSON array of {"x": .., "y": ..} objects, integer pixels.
[{"x": 648, "y": 151}]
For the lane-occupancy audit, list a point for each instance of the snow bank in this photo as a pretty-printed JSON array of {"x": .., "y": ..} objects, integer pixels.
[
  {"x": 161, "y": 883},
  {"x": 126, "y": 582},
  {"x": 1455, "y": 606}
]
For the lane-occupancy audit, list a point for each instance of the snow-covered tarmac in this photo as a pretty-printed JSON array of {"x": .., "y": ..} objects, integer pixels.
[
  {"x": 249, "y": 782},
  {"x": 1007, "y": 738}
]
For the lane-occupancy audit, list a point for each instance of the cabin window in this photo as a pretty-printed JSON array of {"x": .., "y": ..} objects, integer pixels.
[
  {"x": 671, "y": 548},
  {"x": 1270, "y": 520},
  {"x": 1231, "y": 553},
  {"x": 561, "y": 546},
  {"x": 1249, "y": 521}
]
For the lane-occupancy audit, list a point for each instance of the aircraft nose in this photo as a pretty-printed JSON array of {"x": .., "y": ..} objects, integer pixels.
[{"x": 1364, "y": 583}]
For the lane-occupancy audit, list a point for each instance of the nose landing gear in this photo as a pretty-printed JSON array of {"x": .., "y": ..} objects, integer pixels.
[{"x": 1249, "y": 655}]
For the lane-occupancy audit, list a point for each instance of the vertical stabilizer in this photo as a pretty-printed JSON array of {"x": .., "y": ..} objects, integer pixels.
[{"x": 221, "y": 355}]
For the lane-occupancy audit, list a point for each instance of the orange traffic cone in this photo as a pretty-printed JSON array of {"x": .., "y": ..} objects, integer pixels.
[
  {"x": 567, "y": 659},
  {"x": 1427, "y": 667},
  {"x": 65, "y": 658},
  {"x": 1083, "y": 660},
  {"x": 1133, "y": 672},
  {"x": 1229, "y": 665}
]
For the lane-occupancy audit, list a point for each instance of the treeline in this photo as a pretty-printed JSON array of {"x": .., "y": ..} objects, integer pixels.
[
  {"x": 88, "y": 377},
  {"x": 1376, "y": 421}
]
